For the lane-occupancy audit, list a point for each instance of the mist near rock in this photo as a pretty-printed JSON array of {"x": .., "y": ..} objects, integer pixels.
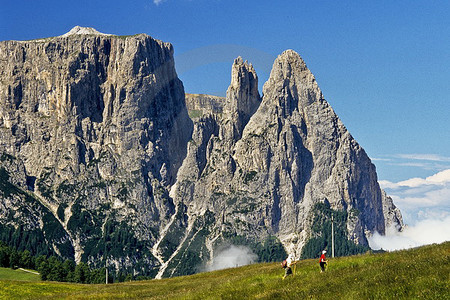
[
  {"x": 231, "y": 257},
  {"x": 424, "y": 232}
]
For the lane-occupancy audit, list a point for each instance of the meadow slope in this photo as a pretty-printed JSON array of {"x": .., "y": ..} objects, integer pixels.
[{"x": 421, "y": 273}]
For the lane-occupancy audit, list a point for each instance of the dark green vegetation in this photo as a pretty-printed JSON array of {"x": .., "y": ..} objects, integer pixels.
[
  {"x": 421, "y": 273},
  {"x": 53, "y": 268},
  {"x": 321, "y": 233},
  {"x": 115, "y": 240},
  {"x": 103, "y": 236},
  {"x": 193, "y": 114},
  {"x": 50, "y": 268},
  {"x": 188, "y": 258}
]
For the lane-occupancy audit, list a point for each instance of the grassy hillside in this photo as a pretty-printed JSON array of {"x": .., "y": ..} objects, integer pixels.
[
  {"x": 422, "y": 273},
  {"x": 10, "y": 274}
]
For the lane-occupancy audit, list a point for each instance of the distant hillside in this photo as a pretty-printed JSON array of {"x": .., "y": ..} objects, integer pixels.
[
  {"x": 19, "y": 274},
  {"x": 418, "y": 273}
]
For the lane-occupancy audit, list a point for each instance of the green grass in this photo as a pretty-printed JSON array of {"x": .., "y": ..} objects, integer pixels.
[
  {"x": 194, "y": 114},
  {"x": 421, "y": 273},
  {"x": 10, "y": 274}
]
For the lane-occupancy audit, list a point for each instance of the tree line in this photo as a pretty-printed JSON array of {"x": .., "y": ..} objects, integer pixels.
[
  {"x": 321, "y": 233},
  {"x": 53, "y": 268}
]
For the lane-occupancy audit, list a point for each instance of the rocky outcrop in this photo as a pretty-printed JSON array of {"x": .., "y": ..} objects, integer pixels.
[
  {"x": 98, "y": 153},
  {"x": 392, "y": 214}
]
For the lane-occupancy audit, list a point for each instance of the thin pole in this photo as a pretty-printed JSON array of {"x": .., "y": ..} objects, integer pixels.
[
  {"x": 332, "y": 236},
  {"x": 106, "y": 264}
]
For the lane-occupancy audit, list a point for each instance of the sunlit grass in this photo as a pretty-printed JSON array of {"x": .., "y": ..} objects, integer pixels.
[
  {"x": 10, "y": 274},
  {"x": 422, "y": 273}
]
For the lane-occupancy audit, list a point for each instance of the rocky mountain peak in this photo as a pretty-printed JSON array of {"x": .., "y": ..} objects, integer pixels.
[
  {"x": 290, "y": 60},
  {"x": 78, "y": 30},
  {"x": 242, "y": 98},
  {"x": 291, "y": 84}
]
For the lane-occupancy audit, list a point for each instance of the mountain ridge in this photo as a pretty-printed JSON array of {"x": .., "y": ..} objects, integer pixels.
[{"x": 95, "y": 133}]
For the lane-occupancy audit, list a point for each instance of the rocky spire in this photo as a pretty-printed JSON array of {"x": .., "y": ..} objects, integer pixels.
[
  {"x": 294, "y": 80},
  {"x": 242, "y": 99}
]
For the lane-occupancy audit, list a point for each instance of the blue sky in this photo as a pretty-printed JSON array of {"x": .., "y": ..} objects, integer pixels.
[{"x": 384, "y": 66}]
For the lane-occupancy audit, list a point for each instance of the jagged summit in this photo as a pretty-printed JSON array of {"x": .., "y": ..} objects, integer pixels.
[
  {"x": 289, "y": 63},
  {"x": 242, "y": 98},
  {"x": 78, "y": 30}
]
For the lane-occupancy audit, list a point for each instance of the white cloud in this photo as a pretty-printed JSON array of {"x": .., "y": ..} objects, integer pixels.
[
  {"x": 157, "y": 2},
  {"x": 425, "y": 206},
  {"x": 434, "y": 162},
  {"x": 386, "y": 184},
  {"x": 427, "y": 157},
  {"x": 442, "y": 178},
  {"x": 439, "y": 197},
  {"x": 425, "y": 232},
  {"x": 380, "y": 159}
]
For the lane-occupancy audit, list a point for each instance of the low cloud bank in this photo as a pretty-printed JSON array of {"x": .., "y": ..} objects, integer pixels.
[
  {"x": 424, "y": 232},
  {"x": 231, "y": 257},
  {"x": 425, "y": 206},
  {"x": 421, "y": 199}
]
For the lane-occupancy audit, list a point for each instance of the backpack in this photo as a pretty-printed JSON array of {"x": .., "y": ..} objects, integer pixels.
[{"x": 284, "y": 264}]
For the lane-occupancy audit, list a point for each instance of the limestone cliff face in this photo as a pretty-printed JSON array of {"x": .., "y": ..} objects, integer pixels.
[
  {"x": 97, "y": 152},
  {"x": 100, "y": 125}
]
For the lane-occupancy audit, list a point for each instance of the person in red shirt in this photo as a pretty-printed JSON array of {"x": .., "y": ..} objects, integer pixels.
[{"x": 323, "y": 261}]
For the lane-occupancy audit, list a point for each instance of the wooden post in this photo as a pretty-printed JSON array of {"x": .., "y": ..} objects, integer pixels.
[{"x": 332, "y": 236}]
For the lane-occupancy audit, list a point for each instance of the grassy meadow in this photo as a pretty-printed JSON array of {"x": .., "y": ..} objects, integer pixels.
[
  {"x": 421, "y": 273},
  {"x": 10, "y": 274}
]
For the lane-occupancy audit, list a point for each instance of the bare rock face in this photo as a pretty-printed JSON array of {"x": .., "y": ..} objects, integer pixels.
[{"x": 100, "y": 125}]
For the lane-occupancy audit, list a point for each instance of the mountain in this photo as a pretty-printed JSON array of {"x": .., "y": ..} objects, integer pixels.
[
  {"x": 93, "y": 130},
  {"x": 100, "y": 161}
]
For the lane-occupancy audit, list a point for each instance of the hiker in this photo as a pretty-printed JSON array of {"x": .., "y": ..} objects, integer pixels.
[
  {"x": 287, "y": 265},
  {"x": 323, "y": 261}
]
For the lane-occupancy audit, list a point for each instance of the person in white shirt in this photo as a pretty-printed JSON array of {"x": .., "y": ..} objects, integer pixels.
[{"x": 290, "y": 261}]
